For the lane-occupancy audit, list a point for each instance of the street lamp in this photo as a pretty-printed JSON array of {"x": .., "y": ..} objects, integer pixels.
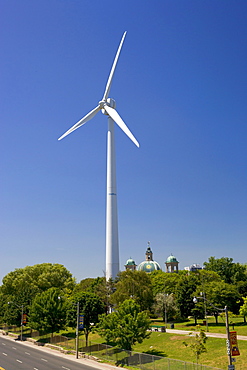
[
  {"x": 230, "y": 365},
  {"x": 21, "y": 315}
]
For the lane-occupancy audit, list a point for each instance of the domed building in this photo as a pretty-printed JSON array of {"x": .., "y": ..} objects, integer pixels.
[
  {"x": 130, "y": 264},
  {"x": 171, "y": 264},
  {"x": 149, "y": 264}
]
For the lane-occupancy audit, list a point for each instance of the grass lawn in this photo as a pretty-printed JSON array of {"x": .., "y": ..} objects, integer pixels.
[
  {"x": 239, "y": 326},
  {"x": 171, "y": 345}
]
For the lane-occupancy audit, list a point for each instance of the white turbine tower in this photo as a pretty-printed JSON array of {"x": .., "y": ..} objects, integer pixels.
[{"x": 108, "y": 107}]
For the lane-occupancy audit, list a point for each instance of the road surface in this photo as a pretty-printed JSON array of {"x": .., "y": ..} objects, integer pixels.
[{"x": 15, "y": 355}]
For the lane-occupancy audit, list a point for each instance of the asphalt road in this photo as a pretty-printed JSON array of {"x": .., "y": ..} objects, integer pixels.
[{"x": 16, "y": 356}]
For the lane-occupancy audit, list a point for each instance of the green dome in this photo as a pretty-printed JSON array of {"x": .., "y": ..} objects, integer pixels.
[
  {"x": 148, "y": 266},
  {"x": 171, "y": 258},
  {"x": 130, "y": 262}
]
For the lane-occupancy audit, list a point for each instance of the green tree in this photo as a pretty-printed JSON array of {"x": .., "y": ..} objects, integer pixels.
[
  {"x": 48, "y": 311},
  {"x": 221, "y": 294},
  {"x": 91, "y": 306},
  {"x": 126, "y": 326},
  {"x": 163, "y": 282},
  {"x": 243, "y": 309},
  {"x": 136, "y": 285},
  {"x": 185, "y": 291},
  {"x": 228, "y": 270},
  {"x": 22, "y": 285},
  {"x": 166, "y": 306},
  {"x": 197, "y": 344}
]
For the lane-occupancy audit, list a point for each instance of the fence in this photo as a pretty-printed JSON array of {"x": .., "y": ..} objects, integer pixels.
[
  {"x": 140, "y": 360},
  {"x": 123, "y": 357}
]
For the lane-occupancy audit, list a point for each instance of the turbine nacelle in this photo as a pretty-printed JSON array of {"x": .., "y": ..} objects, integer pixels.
[{"x": 110, "y": 103}]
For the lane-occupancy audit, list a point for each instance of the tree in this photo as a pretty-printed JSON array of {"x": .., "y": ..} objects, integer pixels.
[
  {"x": 48, "y": 311},
  {"x": 166, "y": 306},
  {"x": 126, "y": 326},
  {"x": 243, "y": 309},
  {"x": 221, "y": 294},
  {"x": 136, "y": 285},
  {"x": 22, "y": 285},
  {"x": 163, "y": 282},
  {"x": 228, "y": 270},
  {"x": 197, "y": 344},
  {"x": 185, "y": 292},
  {"x": 91, "y": 306}
]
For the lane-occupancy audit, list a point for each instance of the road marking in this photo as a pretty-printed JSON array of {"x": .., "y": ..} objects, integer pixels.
[
  {"x": 43, "y": 359},
  {"x": 66, "y": 368},
  {"x": 35, "y": 368},
  {"x": 1, "y": 368},
  {"x": 4, "y": 344},
  {"x": 19, "y": 361},
  {"x": 5, "y": 354},
  {"x": 27, "y": 353},
  {"x": 13, "y": 347}
]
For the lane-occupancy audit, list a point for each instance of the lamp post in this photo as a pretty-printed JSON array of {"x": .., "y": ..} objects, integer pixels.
[
  {"x": 230, "y": 364},
  {"x": 165, "y": 306},
  {"x": 21, "y": 306},
  {"x": 77, "y": 328}
]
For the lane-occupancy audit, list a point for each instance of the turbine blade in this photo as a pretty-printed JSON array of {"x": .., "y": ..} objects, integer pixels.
[
  {"x": 109, "y": 82},
  {"x": 116, "y": 117},
  {"x": 86, "y": 118}
]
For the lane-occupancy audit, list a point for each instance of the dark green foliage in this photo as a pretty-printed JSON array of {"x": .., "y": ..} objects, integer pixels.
[
  {"x": 91, "y": 306},
  {"x": 126, "y": 326},
  {"x": 136, "y": 285},
  {"x": 228, "y": 270},
  {"x": 48, "y": 311}
]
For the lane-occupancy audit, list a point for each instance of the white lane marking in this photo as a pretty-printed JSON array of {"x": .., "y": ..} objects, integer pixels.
[
  {"x": 4, "y": 344},
  {"x": 43, "y": 359},
  {"x": 5, "y": 354},
  {"x": 13, "y": 347},
  {"x": 19, "y": 361},
  {"x": 35, "y": 368},
  {"x": 66, "y": 368},
  {"x": 27, "y": 353}
]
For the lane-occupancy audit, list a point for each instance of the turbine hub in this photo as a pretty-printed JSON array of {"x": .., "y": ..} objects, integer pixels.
[{"x": 110, "y": 102}]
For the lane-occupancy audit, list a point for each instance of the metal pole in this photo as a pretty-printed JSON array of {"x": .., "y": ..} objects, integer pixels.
[
  {"x": 230, "y": 366},
  {"x": 21, "y": 320},
  {"x": 77, "y": 328}
]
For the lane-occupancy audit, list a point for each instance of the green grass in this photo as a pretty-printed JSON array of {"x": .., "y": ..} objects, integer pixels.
[
  {"x": 171, "y": 345},
  {"x": 239, "y": 326}
]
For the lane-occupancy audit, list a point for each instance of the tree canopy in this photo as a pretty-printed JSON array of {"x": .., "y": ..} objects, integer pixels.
[
  {"x": 48, "y": 311},
  {"x": 126, "y": 326},
  {"x": 228, "y": 270},
  {"x": 136, "y": 285}
]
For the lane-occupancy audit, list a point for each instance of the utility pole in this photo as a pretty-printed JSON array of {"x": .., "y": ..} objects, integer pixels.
[
  {"x": 230, "y": 366},
  {"x": 77, "y": 328}
]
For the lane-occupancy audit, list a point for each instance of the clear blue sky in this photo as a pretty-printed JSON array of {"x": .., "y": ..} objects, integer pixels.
[{"x": 180, "y": 86}]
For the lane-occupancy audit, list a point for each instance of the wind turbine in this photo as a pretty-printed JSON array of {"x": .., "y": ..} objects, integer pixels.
[{"x": 108, "y": 107}]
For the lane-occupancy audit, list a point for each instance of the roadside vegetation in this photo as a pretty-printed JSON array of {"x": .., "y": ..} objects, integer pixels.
[{"x": 48, "y": 295}]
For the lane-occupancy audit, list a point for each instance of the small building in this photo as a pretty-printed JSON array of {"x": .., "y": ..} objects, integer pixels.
[
  {"x": 194, "y": 267},
  {"x": 171, "y": 264}
]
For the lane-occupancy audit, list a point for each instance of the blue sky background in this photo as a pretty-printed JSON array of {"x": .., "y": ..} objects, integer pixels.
[{"x": 180, "y": 86}]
